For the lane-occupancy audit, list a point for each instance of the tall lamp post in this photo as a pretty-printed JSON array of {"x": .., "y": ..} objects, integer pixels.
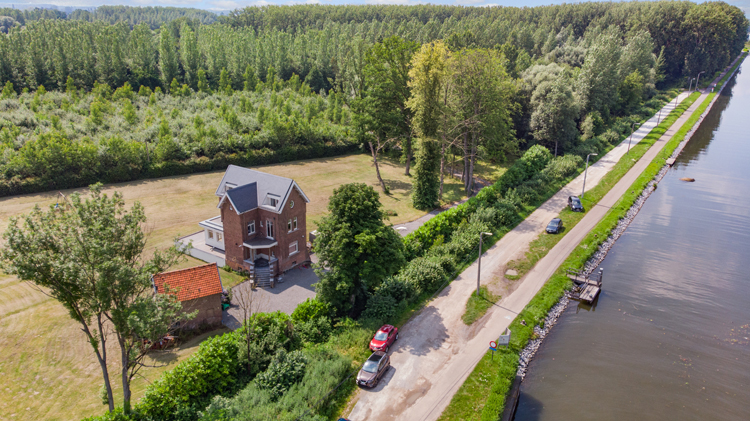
[
  {"x": 479, "y": 262},
  {"x": 632, "y": 128},
  {"x": 690, "y": 87},
  {"x": 698, "y": 79},
  {"x": 583, "y": 190}
]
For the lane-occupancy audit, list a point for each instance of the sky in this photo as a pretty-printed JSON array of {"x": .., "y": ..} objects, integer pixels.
[{"x": 219, "y": 5}]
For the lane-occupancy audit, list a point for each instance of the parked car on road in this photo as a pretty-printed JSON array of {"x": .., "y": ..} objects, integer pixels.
[
  {"x": 384, "y": 338},
  {"x": 555, "y": 226},
  {"x": 574, "y": 203},
  {"x": 373, "y": 369}
]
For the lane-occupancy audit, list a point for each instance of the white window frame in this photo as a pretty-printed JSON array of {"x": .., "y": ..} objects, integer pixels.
[
  {"x": 269, "y": 229},
  {"x": 251, "y": 228},
  {"x": 294, "y": 226},
  {"x": 289, "y": 225},
  {"x": 294, "y": 244},
  {"x": 210, "y": 235},
  {"x": 218, "y": 236}
]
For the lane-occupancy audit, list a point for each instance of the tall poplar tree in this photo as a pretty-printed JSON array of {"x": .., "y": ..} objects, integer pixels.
[
  {"x": 427, "y": 77},
  {"x": 167, "y": 57}
]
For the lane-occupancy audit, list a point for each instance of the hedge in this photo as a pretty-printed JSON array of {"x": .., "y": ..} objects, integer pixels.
[{"x": 220, "y": 161}]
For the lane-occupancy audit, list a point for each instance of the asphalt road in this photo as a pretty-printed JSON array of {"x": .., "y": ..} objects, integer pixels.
[{"x": 436, "y": 351}]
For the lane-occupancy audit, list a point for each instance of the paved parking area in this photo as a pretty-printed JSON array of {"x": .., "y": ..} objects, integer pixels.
[{"x": 295, "y": 288}]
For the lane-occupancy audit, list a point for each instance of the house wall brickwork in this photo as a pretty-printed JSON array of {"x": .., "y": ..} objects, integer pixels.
[
  {"x": 235, "y": 233},
  {"x": 209, "y": 310}
]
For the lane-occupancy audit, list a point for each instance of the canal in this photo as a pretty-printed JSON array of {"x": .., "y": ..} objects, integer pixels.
[{"x": 668, "y": 337}]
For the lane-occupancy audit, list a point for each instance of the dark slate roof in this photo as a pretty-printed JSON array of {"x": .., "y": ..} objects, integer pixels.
[
  {"x": 244, "y": 198},
  {"x": 266, "y": 185}
]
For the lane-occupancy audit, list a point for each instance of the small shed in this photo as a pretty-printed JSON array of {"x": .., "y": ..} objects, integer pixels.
[{"x": 197, "y": 288}]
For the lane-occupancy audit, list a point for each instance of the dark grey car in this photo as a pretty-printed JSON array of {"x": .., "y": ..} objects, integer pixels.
[
  {"x": 373, "y": 369},
  {"x": 574, "y": 203},
  {"x": 555, "y": 226}
]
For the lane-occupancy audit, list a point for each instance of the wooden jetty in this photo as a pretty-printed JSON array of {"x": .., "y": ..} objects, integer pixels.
[{"x": 586, "y": 288}]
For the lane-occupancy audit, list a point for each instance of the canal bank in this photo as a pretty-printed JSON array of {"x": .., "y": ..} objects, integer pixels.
[{"x": 600, "y": 350}]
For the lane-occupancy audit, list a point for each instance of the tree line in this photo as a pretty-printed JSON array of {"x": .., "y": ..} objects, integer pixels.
[
  {"x": 154, "y": 17},
  {"x": 327, "y": 43}
]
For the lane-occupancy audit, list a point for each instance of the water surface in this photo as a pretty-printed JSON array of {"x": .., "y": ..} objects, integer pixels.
[{"x": 668, "y": 337}]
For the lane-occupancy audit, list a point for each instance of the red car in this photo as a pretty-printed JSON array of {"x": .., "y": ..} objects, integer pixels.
[{"x": 384, "y": 338}]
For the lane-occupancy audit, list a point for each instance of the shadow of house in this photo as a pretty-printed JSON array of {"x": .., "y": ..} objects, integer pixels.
[{"x": 197, "y": 288}]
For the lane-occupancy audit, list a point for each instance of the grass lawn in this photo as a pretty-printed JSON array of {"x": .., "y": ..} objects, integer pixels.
[
  {"x": 477, "y": 306},
  {"x": 47, "y": 369}
]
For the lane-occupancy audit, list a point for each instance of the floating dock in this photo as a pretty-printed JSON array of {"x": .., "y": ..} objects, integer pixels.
[{"x": 587, "y": 287}]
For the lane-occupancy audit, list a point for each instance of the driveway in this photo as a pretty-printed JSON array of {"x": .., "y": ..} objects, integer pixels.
[
  {"x": 295, "y": 288},
  {"x": 436, "y": 351}
]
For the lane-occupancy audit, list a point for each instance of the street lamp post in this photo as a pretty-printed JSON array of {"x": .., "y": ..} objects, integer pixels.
[
  {"x": 583, "y": 190},
  {"x": 690, "y": 87},
  {"x": 479, "y": 262},
  {"x": 632, "y": 128},
  {"x": 698, "y": 79}
]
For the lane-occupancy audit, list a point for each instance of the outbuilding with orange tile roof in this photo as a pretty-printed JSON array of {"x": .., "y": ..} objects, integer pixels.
[{"x": 197, "y": 288}]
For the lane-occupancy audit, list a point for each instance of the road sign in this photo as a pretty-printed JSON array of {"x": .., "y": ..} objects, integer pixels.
[
  {"x": 504, "y": 339},
  {"x": 493, "y": 346}
]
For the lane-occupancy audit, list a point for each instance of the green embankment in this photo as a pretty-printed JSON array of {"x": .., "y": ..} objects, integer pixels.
[{"x": 498, "y": 372}]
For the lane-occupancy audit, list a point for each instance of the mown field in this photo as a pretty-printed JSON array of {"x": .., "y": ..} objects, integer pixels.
[{"x": 47, "y": 369}]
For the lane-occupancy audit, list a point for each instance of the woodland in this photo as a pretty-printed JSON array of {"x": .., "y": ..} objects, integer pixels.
[
  {"x": 598, "y": 61},
  {"x": 141, "y": 93}
]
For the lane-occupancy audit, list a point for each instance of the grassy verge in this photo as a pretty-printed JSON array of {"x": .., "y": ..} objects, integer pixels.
[
  {"x": 477, "y": 306},
  {"x": 472, "y": 402}
]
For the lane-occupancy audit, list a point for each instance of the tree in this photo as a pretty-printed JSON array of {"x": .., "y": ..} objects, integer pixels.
[
  {"x": 250, "y": 80},
  {"x": 483, "y": 102},
  {"x": 203, "y": 82},
  {"x": 167, "y": 57},
  {"x": 87, "y": 254},
  {"x": 427, "y": 77},
  {"x": 555, "y": 111},
  {"x": 189, "y": 54},
  {"x": 355, "y": 249},
  {"x": 381, "y": 114},
  {"x": 599, "y": 77}
]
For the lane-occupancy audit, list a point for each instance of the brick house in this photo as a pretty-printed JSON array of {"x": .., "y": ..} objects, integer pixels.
[
  {"x": 197, "y": 288},
  {"x": 262, "y": 226}
]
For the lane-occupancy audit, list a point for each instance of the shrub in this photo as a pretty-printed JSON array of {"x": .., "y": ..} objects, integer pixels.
[
  {"x": 315, "y": 330},
  {"x": 311, "y": 309},
  {"x": 285, "y": 370},
  {"x": 426, "y": 274},
  {"x": 380, "y": 309},
  {"x": 181, "y": 392},
  {"x": 398, "y": 288}
]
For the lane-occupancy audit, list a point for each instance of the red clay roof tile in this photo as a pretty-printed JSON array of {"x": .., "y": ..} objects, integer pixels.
[{"x": 191, "y": 283}]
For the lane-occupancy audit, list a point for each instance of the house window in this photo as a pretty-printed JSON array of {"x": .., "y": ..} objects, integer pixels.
[
  {"x": 295, "y": 223},
  {"x": 269, "y": 228},
  {"x": 251, "y": 228},
  {"x": 293, "y": 248},
  {"x": 210, "y": 234},
  {"x": 218, "y": 236},
  {"x": 289, "y": 226},
  {"x": 274, "y": 202}
]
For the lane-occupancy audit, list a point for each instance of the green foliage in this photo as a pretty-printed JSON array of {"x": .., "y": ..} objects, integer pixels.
[
  {"x": 285, "y": 370},
  {"x": 8, "y": 91},
  {"x": 311, "y": 309},
  {"x": 592, "y": 125},
  {"x": 189, "y": 387},
  {"x": 380, "y": 309},
  {"x": 323, "y": 371},
  {"x": 427, "y": 179},
  {"x": 355, "y": 247}
]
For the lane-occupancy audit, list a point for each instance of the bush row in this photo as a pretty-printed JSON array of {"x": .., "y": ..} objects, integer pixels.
[{"x": 97, "y": 169}]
